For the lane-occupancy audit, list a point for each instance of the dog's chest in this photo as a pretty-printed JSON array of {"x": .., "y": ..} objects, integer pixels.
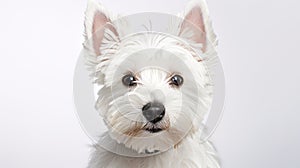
[{"x": 190, "y": 154}]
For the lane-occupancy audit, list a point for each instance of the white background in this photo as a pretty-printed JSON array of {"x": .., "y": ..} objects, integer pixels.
[{"x": 259, "y": 48}]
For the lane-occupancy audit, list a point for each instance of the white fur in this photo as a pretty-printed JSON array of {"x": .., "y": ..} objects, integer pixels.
[
  {"x": 120, "y": 107},
  {"x": 190, "y": 154}
]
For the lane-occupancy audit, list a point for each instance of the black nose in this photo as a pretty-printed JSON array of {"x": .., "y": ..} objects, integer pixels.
[{"x": 154, "y": 112}]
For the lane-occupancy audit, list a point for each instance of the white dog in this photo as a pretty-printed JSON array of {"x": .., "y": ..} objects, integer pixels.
[{"x": 155, "y": 90}]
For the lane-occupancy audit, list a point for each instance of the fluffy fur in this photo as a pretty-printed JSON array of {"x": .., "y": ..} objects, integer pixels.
[{"x": 152, "y": 58}]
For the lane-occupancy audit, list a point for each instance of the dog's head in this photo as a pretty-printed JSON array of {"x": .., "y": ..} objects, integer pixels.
[{"x": 155, "y": 88}]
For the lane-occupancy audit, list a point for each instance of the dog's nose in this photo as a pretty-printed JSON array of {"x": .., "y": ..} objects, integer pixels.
[{"x": 154, "y": 112}]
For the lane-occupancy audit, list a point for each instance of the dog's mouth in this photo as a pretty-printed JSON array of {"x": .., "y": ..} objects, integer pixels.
[
  {"x": 153, "y": 130},
  {"x": 163, "y": 125}
]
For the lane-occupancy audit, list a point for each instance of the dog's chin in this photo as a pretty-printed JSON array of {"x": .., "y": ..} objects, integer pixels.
[{"x": 149, "y": 138}]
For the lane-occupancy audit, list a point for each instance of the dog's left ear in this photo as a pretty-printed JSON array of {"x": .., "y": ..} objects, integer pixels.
[
  {"x": 98, "y": 22},
  {"x": 196, "y": 25}
]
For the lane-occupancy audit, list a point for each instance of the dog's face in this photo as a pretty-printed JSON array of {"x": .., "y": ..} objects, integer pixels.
[{"x": 156, "y": 90}]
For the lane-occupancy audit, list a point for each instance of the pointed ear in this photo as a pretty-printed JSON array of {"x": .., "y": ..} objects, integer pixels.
[
  {"x": 97, "y": 22},
  {"x": 197, "y": 21}
]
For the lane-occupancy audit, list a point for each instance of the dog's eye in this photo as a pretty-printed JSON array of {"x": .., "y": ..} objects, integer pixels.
[
  {"x": 176, "y": 80},
  {"x": 129, "y": 80}
]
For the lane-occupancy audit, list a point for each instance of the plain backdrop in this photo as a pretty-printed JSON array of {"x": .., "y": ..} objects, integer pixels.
[{"x": 259, "y": 49}]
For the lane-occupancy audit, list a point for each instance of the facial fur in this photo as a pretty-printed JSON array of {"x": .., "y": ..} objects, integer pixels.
[{"x": 151, "y": 60}]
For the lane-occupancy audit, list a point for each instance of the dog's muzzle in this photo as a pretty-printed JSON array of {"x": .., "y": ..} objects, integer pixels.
[{"x": 154, "y": 112}]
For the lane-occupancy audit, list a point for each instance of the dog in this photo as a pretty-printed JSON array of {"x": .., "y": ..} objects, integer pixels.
[{"x": 155, "y": 90}]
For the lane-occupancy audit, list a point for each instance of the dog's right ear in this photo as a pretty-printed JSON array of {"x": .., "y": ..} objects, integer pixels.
[{"x": 97, "y": 23}]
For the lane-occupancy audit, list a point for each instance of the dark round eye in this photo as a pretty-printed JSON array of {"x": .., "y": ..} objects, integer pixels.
[
  {"x": 176, "y": 80},
  {"x": 129, "y": 80}
]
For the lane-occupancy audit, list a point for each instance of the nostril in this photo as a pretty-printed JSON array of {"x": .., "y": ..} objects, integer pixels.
[
  {"x": 153, "y": 112},
  {"x": 146, "y": 107}
]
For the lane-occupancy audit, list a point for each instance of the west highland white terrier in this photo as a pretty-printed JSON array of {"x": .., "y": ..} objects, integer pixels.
[{"x": 155, "y": 90}]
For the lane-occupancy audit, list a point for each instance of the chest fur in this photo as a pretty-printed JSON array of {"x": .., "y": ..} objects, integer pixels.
[{"x": 191, "y": 153}]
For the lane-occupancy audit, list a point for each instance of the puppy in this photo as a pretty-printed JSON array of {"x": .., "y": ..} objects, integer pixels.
[{"x": 156, "y": 89}]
